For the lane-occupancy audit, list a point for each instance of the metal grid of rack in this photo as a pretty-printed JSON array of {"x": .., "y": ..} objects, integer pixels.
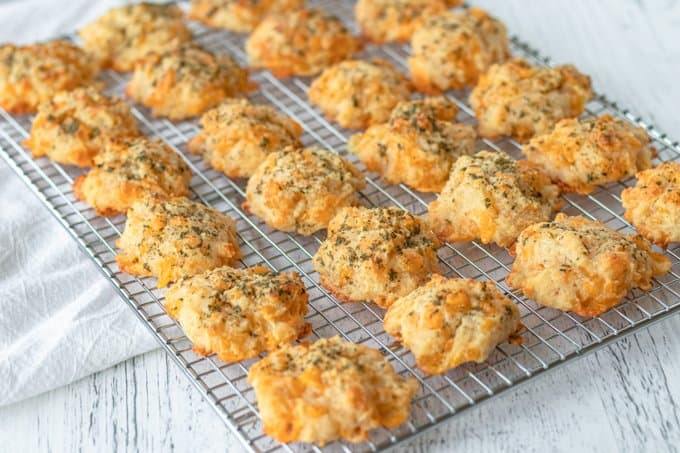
[{"x": 551, "y": 338}]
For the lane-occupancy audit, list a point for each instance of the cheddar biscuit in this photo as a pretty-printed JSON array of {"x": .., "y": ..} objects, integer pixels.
[
  {"x": 329, "y": 390},
  {"x": 492, "y": 197},
  {"x": 237, "y": 136},
  {"x": 302, "y": 42},
  {"x": 185, "y": 82},
  {"x": 448, "y": 322},
  {"x": 581, "y": 154},
  {"x": 31, "y": 75},
  {"x": 522, "y": 100},
  {"x": 653, "y": 204},
  {"x": 580, "y": 265},
  {"x": 452, "y": 50},
  {"x": 359, "y": 93},
  {"x": 126, "y": 34},
  {"x": 301, "y": 189},
  {"x": 239, "y": 313},
  {"x": 76, "y": 125},
  {"x": 175, "y": 237},
  {"x": 382, "y": 21},
  {"x": 417, "y": 146},
  {"x": 376, "y": 255},
  {"x": 238, "y": 15},
  {"x": 127, "y": 170}
]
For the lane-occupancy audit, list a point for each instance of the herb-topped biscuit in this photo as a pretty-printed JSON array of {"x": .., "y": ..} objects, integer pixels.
[
  {"x": 522, "y": 100},
  {"x": 239, "y": 313},
  {"x": 186, "y": 82},
  {"x": 329, "y": 390},
  {"x": 359, "y": 93},
  {"x": 302, "y": 42},
  {"x": 448, "y": 322},
  {"x": 126, "y": 34},
  {"x": 376, "y": 255},
  {"x": 301, "y": 189},
  {"x": 395, "y": 20},
  {"x": 238, "y": 15},
  {"x": 237, "y": 136},
  {"x": 170, "y": 238},
  {"x": 452, "y": 50},
  {"x": 417, "y": 146},
  {"x": 31, "y": 75},
  {"x": 127, "y": 170},
  {"x": 492, "y": 197},
  {"x": 580, "y": 265},
  {"x": 653, "y": 204},
  {"x": 581, "y": 154},
  {"x": 76, "y": 125}
]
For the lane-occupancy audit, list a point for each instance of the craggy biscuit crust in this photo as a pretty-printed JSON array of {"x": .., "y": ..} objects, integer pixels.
[
  {"x": 174, "y": 238},
  {"x": 186, "y": 82},
  {"x": 492, "y": 197},
  {"x": 239, "y": 313},
  {"x": 238, "y": 15},
  {"x": 75, "y": 126},
  {"x": 359, "y": 93},
  {"x": 452, "y": 50},
  {"x": 329, "y": 390},
  {"x": 376, "y": 255},
  {"x": 31, "y": 75},
  {"x": 653, "y": 204},
  {"x": 521, "y": 100},
  {"x": 581, "y": 154},
  {"x": 448, "y": 322},
  {"x": 417, "y": 146},
  {"x": 125, "y": 35},
  {"x": 383, "y": 21},
  {"x": 127, "y": 170},
  {"x": 575, "y": 264},
  {"x": 237, "y": 136},
  {"x": 302, "y": 42},
  {"x": 302, "y": 189}
]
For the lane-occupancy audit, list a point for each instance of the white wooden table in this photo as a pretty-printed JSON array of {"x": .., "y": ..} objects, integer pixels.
[{"x": 623, "y": 398}]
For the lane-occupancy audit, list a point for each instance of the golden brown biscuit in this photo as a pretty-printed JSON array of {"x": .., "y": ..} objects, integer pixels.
[
  {"x": 522, "y": 100},
  {"x": 359, "y": 93},
  {"x": 238, "y": 15},
  {"x": 492, "y": 197},
  {"x": 127, "y": 170},
  {"x": 653, "y": 205},
  {"x": 580, "y": 265},
  {"x": 302, "y": 42},
  {"x": 452, "y": 50},
  {"x": 175, "y": 237},
  {"x": 185, "y": 82},
  {"x": 302, "y": 189},
  {"x": 448, "y": 322},
  {"x": 417, "y": 146},
  {"x": 376, "y": 255},
  {"x": 127, "y": 34},
  {"x": 75, "y": 126},
  {"x": 329, "y": 390},
  {"x": 382, "y": 21},
  {"x": 31, "y": 75},
  {"x": 581, "y": 154},
  {"x": 238, "y": 136},
  {"x": 239, "y": 313}
]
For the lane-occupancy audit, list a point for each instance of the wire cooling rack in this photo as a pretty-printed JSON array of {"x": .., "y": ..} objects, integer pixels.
[{"x": 551, "y": 338}]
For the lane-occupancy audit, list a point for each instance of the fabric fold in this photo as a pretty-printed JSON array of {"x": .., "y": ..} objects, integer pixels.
[{"x": 60, "y": 318}]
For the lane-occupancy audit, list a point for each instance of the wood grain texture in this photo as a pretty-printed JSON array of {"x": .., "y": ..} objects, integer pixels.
[{"x": 623, "y": 398}]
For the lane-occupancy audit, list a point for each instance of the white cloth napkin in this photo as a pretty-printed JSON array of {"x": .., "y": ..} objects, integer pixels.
[{"x": 60, "y": 319}]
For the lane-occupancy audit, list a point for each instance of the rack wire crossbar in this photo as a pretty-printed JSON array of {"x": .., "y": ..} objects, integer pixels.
[{"x": 551, "y": 339}]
